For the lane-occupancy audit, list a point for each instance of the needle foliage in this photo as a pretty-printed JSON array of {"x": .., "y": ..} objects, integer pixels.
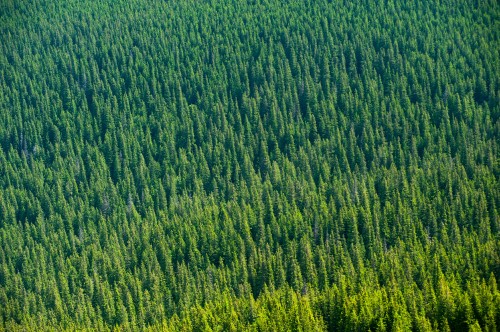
[{"x": 256, "y": 165}]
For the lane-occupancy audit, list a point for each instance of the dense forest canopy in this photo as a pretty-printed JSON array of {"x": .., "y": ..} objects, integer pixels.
[{"x": 250, "y": 165}]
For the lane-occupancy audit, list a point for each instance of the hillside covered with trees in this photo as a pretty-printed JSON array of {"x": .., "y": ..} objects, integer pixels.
[{"x": 257, "y": 165}]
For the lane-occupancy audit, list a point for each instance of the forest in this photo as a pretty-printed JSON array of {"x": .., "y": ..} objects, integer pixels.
[{"x": 249, "y": 165}]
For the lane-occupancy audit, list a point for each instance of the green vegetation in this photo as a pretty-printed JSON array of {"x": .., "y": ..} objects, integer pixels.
[{"x": 250, "y": 165}]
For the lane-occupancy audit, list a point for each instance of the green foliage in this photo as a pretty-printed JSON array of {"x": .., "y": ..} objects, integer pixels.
[{"x": 249, "y": 165}]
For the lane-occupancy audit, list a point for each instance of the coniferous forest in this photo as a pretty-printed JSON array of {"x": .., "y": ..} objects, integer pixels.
[{"x": 232, "y": 165}]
